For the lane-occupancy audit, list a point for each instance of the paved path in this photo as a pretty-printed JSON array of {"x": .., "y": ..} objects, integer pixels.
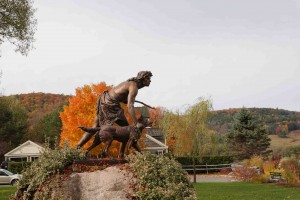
[{"x": 212, "y": 178}]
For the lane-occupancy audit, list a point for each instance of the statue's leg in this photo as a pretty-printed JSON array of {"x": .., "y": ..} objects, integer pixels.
[
  {"x": 136, "y": 146},
  {"x": 130, "y": 141},
  {"x": 84, "y": 139},
  {"x": 122, "y": 149},
  {"x": 88, "y": 135},
  {"x": 122, "y": 122},
  {"x": 96, "y": 142},
  {"x": 107, "y": 145}
]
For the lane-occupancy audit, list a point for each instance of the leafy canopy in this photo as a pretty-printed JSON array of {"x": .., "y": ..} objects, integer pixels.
[
  {"x": 17, "y": 24},
  {"x": 188, "y": 134},
  {"x": 13, "y": 124}
]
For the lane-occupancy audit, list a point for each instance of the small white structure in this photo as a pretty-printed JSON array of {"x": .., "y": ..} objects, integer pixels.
[
  {"x": 155, "y": 142},
  {"x": 28, "y": 151}
]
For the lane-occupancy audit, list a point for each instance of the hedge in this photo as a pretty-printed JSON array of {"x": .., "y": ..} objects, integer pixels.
[
  {"x": 210, "y": 160},
  {"x": 18, "y": 167}
]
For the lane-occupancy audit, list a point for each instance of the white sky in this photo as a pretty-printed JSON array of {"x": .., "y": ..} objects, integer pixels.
[{"x": 237, "y": 52}]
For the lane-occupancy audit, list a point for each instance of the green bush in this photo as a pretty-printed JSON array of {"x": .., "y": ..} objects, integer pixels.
[
  {"x": 18, "y": 167},
  {"x": 292, "y": 151},
  {"x": 160, "y": 177},
  {"x": 283, "y": 134},
  {"x": 50, "y": 163}
]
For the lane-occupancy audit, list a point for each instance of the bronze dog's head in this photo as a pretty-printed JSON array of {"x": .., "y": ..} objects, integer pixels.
[{"x": 144, "y": 122}]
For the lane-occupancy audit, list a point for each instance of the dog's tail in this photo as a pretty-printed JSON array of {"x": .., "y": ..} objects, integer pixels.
[{"x": 89, "y": 130}]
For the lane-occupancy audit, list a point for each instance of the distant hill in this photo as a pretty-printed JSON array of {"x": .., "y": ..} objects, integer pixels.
[
  {"x": 40, "y": 104},
  {"x": 275, "y": 120}
]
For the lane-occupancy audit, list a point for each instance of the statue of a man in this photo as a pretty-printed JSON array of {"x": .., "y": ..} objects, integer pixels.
[{"x": 109, "y": 110}]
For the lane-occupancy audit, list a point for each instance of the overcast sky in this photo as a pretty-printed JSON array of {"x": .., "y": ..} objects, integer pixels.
[{"x": 236, "y": 52}]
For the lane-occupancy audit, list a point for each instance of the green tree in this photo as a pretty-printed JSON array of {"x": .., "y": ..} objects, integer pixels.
[
  {"x": 48, "y": 128},
  {"x": 0, "y": 83},
  {"x": 17, "y": 24},
  {"x": 247, "y": 136},
  {"x": 196, "y": 118},
  {"x": 13, "y": 122}
]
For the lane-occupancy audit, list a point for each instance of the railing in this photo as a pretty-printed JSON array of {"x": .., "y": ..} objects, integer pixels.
[{"x": 206, "y": 167}]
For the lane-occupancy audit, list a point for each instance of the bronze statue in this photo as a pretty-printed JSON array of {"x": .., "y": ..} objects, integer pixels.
[
  {"x": 109, "y": 110},
  {"x": 123, "y": 134}
]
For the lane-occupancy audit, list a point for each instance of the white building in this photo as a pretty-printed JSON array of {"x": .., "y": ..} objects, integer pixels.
[
  {"x": 155, "y": 142},
  {"x": 28, "y": 151}
]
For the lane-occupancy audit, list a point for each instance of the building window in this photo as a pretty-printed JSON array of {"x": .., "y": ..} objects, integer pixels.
[
  {"x": 20, "y": 159},
  {"x": 34, "y": 158},
  {"x": 159, "y": 152}
]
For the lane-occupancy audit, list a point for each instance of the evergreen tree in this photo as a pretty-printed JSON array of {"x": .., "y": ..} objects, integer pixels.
[{"x": 247, "y": 136}]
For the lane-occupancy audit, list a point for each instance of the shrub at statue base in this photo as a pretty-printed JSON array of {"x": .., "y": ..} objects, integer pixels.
[
  {"x": 155, "y": 177},
  {"x": 160, "y": 177},
  {"x": 42, "y": 177}
]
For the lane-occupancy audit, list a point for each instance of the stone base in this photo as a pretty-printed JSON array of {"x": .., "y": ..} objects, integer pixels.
[{"x": 95, "y": 164}]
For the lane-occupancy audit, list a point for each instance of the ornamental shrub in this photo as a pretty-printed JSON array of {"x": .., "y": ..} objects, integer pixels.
[
  {"x": 160, "y": 177},
  {"x": 50, "y": 163},
  {"x": 291, "y": 167},
  {"x": 246, "y": 174},
  {"x": 254, "y": 161}
]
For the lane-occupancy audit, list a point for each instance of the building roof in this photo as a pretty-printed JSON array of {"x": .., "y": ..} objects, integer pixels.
[
  {"x": 152, "y": 143},
  {"x": 156, "y": 133},
  {"x": 28, "y": 148}
]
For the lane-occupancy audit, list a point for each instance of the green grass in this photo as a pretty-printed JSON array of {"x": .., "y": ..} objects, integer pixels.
[
  {"x": 221, "y": 191},
  {"x": 7, "y": 191},
  {"x": 245, "y": 191}
]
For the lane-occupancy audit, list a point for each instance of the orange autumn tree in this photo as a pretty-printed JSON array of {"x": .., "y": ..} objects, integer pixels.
[
  {"x": 156, "y": 115},
  {"x": 81, "y": 111}
]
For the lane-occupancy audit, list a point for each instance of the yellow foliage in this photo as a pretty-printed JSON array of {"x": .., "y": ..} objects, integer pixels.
[
  {"x": 269, "y": 166},
  {"x": 256, "y": 160}
]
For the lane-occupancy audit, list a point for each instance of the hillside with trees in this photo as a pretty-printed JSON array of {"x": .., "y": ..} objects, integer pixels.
[
  {"x": 33, "y": 116},
  {"x": 40, "y": 104},
  {"x": 276, "y": 121},
  {"x": 36, "y": 116}
]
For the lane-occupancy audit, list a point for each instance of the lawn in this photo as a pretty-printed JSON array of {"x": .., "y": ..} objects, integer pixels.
[
  {"x": 244, "y": 191},
  {"x": 7, "y": 191},
  {"x": 221, "y": 191}
]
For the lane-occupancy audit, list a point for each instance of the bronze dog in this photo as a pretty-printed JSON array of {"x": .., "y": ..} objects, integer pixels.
[{"x": 123, "y": 134}]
